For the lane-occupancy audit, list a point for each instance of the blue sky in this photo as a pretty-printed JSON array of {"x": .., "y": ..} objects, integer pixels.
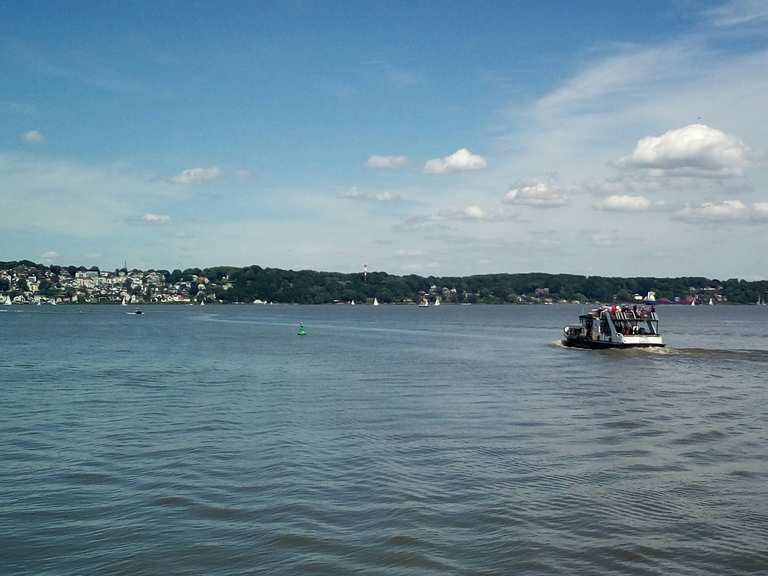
[{"x": 420, "y": 137}]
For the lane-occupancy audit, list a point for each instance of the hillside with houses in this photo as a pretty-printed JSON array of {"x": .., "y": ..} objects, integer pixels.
[{"x": 26, "y": 282}]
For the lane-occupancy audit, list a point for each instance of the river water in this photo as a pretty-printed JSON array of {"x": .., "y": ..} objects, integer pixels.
[{"x": 387, "y": 441}]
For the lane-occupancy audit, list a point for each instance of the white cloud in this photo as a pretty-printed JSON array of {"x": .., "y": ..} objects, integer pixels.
[
  {"x": 459, "y": 161},
  {"x": 156, "y": 218},
  {"x": 474, "y": 213},
  {"x": 625, "y": 73},
  {"x": 50, "y": 255},
  {"x": 355, "y": 193},
  {"x": 624, "y": 203},
  {"x": 724, "y": 211},
  {"x": 33, "y": 137},
  {"x": 196, "y": 175},
  {"x": 738, "y": 12},
  {"x": 537, "y": 194},
  {"x": 696, "y": 147},
  {"x": 760, "y": 210},
  {"x": 437, "y": 221},
  {"x": 386, "y": 162}
]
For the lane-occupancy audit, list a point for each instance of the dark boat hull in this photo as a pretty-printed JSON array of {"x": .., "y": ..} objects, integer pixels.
[{"x": 597, "y": 345}]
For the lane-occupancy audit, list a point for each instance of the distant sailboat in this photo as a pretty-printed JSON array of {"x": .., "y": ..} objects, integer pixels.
[
  {"x": 8, "y": 301},
  {"x": 437, "y": 301},
  {"x": 202, "y": 302},
  {"x": 693, "y": 302},
  {"x": 711, "y": 302},
  {"x": 352, "y": 303},
  {"x": 424, "y": 303},
  {"x": 375, "y": 301},
  {"x": 124, "y": 302}
]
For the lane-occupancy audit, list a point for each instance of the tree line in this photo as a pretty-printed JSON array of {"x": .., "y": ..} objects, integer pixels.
[{"x": 233, "y": 284}]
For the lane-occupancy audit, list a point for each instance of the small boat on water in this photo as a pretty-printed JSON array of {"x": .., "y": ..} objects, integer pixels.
[
  {"x": 437, "y": 301},
  {"x": 615, "y": 327},
  {"x": 375, "y": 301}
]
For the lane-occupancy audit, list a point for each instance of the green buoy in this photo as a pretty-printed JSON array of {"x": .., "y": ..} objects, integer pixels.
[{"x": 301, "y": 331}]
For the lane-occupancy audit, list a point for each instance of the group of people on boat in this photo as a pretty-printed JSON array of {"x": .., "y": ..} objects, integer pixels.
[{"x": 637, "y": 312}]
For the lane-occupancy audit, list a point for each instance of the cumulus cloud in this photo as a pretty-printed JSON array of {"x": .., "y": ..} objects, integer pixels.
[
  {"x": 624, "y": 203},
  {"x": 156, "y": 218},
  {"x": 724, "y": 211},
  {"x": 355, "y": 193},
  {"x": 537, "y": 194},
  {"x": 474, "y": 213},
  {"x": 196, "y": 175},
  {"x": 386, "y": 162},
  {"x": 459, "y": 161},
  {"x": 33, "y": 137},
  {"x": 696, "y": 147},
  {"x": 439, "y": 220}
]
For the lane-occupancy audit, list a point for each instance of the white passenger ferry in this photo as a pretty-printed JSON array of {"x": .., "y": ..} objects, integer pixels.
[{"x": 615, "y": 327}]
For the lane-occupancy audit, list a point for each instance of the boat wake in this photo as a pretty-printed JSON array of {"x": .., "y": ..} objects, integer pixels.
[{"x": 751, "y": 355}]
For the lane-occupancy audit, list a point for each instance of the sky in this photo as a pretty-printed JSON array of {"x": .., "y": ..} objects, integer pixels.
[{"x": 432, "y": 138}]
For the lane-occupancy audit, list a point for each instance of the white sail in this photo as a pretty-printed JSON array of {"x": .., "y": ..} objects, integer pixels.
[
  {"x": 352, "y": 303},
  {"x": 437, "y": 301},
  {"x": 711, "y": 302},
  {"x": 375, "y": 301},
  {"x": 124, "y": 302}
]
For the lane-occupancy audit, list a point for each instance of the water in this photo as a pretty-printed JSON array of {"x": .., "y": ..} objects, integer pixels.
[{"x": 388, "y": 441}]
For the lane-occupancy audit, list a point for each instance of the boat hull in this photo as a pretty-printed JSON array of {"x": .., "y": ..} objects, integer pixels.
[{"x": 603, "y": 345}]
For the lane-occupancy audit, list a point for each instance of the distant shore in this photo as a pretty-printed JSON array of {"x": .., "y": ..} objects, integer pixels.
[{"x": 27, "y": 282}]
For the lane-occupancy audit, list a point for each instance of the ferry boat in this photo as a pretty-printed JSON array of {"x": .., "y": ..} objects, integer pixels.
[{"x": 615, "y": 327}]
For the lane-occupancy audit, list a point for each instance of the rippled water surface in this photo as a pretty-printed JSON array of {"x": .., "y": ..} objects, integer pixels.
[{"x": 389, "y": 440}]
